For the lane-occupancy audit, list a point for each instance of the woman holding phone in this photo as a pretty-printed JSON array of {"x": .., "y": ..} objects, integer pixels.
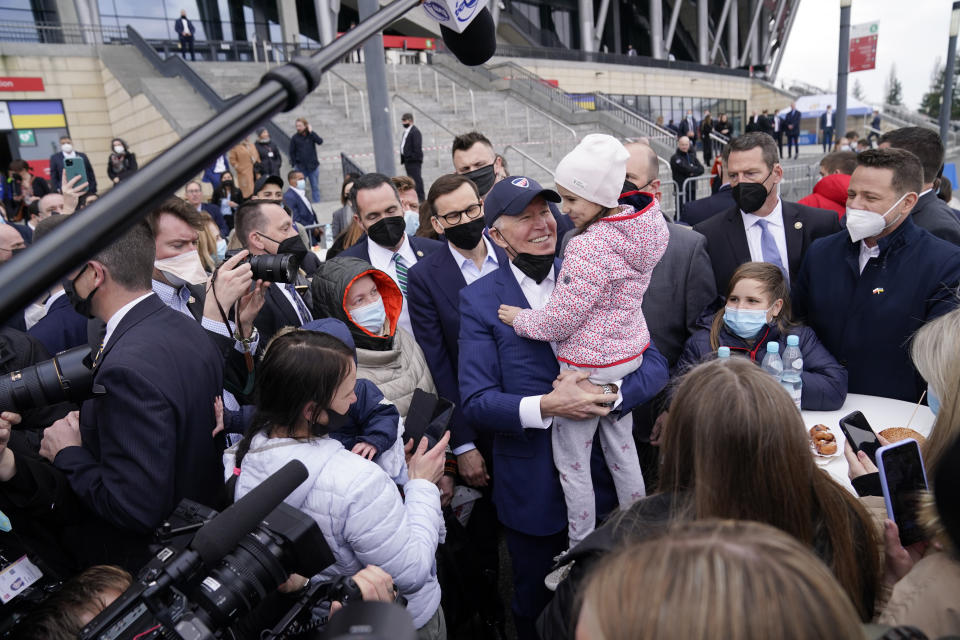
[{"x": 305, "y": 380}]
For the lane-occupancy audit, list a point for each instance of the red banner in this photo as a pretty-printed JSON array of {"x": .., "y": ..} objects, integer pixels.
[
  {"x": 863, "y": 46},
  {"x": 21, "y": 84}
]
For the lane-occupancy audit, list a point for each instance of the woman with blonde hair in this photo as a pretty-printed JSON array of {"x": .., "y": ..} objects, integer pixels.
[
  {"x": 735, "y": 446},
  {"x": 716, "y": 579}
]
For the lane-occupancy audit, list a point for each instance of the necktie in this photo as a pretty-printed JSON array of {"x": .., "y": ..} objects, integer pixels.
[
  {"x": 768, "y": 246},
  {"x": 302, "y": 310},
  {"x": 401, "y": 273}
]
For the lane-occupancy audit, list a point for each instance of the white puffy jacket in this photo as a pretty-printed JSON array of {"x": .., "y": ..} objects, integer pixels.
[{"x": 359, "y": 511}]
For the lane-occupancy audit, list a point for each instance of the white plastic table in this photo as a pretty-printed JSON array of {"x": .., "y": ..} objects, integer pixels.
[{"x": 881, "y": 413}]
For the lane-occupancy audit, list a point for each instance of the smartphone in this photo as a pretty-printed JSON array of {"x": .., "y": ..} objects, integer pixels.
[
  {"x": 859, "y": 434},
  {"x": 74, "y": 167},
  {"x": 903, "y": 479}
]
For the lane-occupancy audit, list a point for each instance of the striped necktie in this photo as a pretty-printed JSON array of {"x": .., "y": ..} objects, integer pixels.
[
  {"x": 301, "y": 306},
  {"x": 401, "y": 273}
]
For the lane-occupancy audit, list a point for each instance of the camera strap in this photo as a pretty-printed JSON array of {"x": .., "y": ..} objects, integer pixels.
[{"x": 247, "y": 356}]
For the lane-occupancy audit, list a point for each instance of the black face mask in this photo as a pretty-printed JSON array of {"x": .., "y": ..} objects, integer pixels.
[
  {"x": 387, "y": 232},
  {"x": 466, "y": 236},
  {"x": 750, "y": 196},
  {"x": 406, "y": 125},
  {"x": 533, "y": 266},
  {"x": 484, "y": 178},
  {"x": 629, "y": 186},
  {"x": 83, "y": 306}
]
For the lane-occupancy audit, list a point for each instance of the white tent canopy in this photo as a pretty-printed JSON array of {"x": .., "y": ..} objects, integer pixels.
[{"x": 813, "y": 106}]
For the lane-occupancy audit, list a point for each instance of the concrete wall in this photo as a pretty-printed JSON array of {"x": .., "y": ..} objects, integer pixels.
[
  {"x": 97, "y": 108},
  {"x": 585, "y": 77}
]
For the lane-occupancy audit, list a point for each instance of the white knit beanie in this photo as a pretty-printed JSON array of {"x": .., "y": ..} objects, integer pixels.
[{"x": 595, "y": 169}]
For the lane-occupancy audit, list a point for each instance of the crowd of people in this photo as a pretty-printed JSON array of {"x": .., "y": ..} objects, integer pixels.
[{"x": 641, "y": 485}]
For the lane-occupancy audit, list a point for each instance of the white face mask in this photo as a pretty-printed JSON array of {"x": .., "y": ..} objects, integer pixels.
[
  {"x": 868, "y": 224},
  {"x": 117, "y": 149},
  {"x": 301, "y": 184},
  {"x": 66, "y": 147},
  {"x": 185, "y": 268}
]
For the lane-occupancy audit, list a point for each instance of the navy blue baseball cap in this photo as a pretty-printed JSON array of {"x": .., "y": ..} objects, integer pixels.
[{"x": 510, "y": 197}]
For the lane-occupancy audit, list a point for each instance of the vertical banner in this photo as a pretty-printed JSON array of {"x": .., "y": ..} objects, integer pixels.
[{"x": 863, "y": 46}]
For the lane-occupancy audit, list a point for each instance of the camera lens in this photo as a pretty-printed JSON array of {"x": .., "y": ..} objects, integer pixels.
[
  {"x": 279, "y": 268},
  {"x": 64, "y": 378}
]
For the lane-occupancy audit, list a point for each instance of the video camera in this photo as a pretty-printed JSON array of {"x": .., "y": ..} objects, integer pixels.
[
  {"x": 67, "y": 377},
  {"x": 282, "y": 267},
  {"x": 198, "y": 589}
]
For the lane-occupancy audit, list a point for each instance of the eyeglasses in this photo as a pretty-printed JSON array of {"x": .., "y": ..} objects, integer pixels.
[{"x": 454, "y": 217}]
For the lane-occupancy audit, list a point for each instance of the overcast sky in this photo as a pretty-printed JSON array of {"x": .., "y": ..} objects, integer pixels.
[{"x": 913, "y": 33}]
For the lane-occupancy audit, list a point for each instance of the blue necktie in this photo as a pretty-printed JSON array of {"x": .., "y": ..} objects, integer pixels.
[
  {"x": 768, "y": 246},
  {"x": 302, "y": 310}
]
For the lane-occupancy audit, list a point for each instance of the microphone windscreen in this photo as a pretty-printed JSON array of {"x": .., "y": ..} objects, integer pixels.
[
  {"x": 220, "y": 536},
  {"x": 477, "y": 43}
]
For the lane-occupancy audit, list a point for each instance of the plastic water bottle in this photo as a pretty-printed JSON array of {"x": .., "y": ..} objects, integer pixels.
[
  {"x": 225, "y": 207},
  {"x": 723, "y": 353},
  {"x": 772, "y": 363},
  {"x": 328, "y": 235},
  {"x": 792, "y": 368}
]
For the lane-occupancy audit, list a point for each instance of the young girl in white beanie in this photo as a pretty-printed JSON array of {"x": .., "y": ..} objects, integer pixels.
[{"x": 594, "y": 316}]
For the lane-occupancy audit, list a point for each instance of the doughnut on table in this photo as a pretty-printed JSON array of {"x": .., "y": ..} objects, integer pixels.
[{"x": 881, "y": 413}]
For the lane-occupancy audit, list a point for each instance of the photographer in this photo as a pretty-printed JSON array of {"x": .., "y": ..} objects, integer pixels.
[
  {"x": 305, "y": 381},
  {"x": 264, "y": 228},
  {"x": 131, "y": 455}
]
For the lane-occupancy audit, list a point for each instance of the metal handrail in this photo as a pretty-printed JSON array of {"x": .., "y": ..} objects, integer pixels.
[
  {"x": 360, "y": 92},
  {"x": 536, "y": 83},
  {"x": 549, "y": 117},
  {"x": 527, "y": 156},
  {"x": 646, "y": 122}
]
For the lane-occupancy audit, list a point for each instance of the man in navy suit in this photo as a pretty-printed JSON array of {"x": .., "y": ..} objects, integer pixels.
[
  {"x": 456, "y": 212},
  {"x": 132, "y": 454},
  {"x": 506, "y": 386},
  {"x": 696, "y": 211},
  {"x": 386, "y": 246},
  {"x": 295, "y": 197},
  {"x": 760, "y": 227},
  {"x": 411, "y": 151},
  {"x": 194, "y": 197},
  {"x": 791, "y": 125},
  {"x": 186, "y": 33},
  {"x": 827, "y": 125}
]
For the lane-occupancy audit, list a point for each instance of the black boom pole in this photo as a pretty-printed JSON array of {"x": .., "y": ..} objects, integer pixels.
[{"x": 24, "y": 276}]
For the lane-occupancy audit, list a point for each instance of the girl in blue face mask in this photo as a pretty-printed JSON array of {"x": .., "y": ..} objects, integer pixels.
[{"x": 757, "y": 311}]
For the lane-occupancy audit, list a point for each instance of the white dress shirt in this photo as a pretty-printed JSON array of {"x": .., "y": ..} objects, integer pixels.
[
  {"x": 53, "y": 298},
  {"x": 471, "y": 274},
  {"x": 829, "y": 119},
  {"x": 866, "y": 253},
  {"x": 775, "y": 226},
  {"x": 119, "y": 314},
  {"x": 537, "y": 296},
  {"x": 467, "y": 267},
  {"x": 403, "y": 139},
  {"x": 382, "y": 258},
  {"x": 303, "y": 196}
]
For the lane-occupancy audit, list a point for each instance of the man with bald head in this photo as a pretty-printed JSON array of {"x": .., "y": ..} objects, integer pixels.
[
  {"x": 10, "y": 242},
  {"x": 50, "y": 204},
  {"x": 684, "y": 164}
]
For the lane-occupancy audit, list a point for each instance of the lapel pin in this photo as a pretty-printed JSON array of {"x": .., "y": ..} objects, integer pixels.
[
  {"x": 191, "y": 300},
  {"x": 419, "y": 254},
  {"x": 877, "y": 291},
  {"x": 798, "y": 225}
]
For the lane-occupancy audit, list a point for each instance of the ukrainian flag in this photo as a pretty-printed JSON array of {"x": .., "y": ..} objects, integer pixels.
[{"x": 37, "y": 114}]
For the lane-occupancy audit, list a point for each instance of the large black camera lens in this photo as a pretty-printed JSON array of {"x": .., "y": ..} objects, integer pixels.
[
  {"x": 279, "y": 268},
  {"x": 67, "y": 377}
]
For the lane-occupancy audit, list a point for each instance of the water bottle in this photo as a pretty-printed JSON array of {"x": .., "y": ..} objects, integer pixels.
[
  {"x": 792, "y": 368},
  {"x": 772, "y": 363},
  {"x": 328, "y": 235},
  {"x": 723, "y": 353},
  {"x": 225, "y": 207}
]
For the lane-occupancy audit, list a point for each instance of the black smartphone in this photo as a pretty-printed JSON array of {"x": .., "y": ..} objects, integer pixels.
[
  {"x": 859, "y": 434},
  {"x": 903, "y": 480}
]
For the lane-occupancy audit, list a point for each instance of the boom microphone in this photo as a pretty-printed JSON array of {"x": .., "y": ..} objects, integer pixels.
[
  {"x": 466, "y": 27},
  {"x": 477, "y": 43},
  {"x": 219, "y": 536}
]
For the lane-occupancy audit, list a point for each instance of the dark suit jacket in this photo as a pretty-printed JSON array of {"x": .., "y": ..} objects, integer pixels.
[
  {"x": 214, "y": 211},
  {"x": 936, "y": 216},
  {"x": 25, "y": 232},
  {"x": 62, "y": 328},
  {"x": 147, "y": 443},
  {"x": 412, "y": 151},
  {"x": 823, "y": 120},
  {"x": 433, "y": 296},
  {"x": 727, "y": 239},
  {"x": 277, "y": 312},
  {"x": 302, "y": 214},
  {"x": 178, "y": 27},
  {"x": 497, "y": 369},
  {"x": 792, "y": 118},
  {"x": 56, "y": 171},
  {"x": 696, "y": 211},
  {"x": 422, "y": 247}
]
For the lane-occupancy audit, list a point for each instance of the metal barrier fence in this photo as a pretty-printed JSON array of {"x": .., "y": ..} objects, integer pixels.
[{"x": 670, "y": 199}]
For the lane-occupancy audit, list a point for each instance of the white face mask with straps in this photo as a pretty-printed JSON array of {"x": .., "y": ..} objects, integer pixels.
[{"x": 869, "y": 224}]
